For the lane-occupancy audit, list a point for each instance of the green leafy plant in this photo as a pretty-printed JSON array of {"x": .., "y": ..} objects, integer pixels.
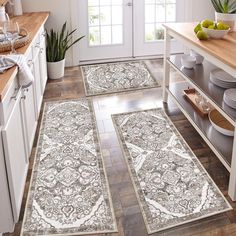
[
  {"x": 58, "y": 43},
  {"x": 224, "y": 6}
]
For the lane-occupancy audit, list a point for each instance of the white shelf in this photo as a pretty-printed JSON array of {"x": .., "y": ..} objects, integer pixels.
[
  {"x": 221, "y": 145},
  {"x": 199, "y": 78}
]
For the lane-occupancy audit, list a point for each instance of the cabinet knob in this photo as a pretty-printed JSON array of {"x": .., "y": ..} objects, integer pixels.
[
  {"x": 30, "y": 62},
  {"x": 41, "y": 50},
  {"x": 14, "y": 96},
  {"x": 37, "y": 45},
  {"x": 23, "y": 97}
]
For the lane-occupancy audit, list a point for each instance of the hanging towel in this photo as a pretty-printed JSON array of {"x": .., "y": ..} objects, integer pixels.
[{"x": 25, "y": 75}]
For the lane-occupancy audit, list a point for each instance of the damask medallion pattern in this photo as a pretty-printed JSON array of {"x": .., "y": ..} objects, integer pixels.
[
  {"x": 69, "y": 192},
  {"x": 171, "y": 185},
  {"x": 117, "y": 77}
]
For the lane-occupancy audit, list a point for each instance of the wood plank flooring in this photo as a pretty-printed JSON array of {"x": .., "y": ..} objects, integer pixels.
[{"x": 128, "y": 215}]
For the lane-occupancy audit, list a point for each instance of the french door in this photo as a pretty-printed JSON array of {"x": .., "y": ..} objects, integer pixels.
[
  {"x": 124, "y": 28},
  {"x": 107, "y": 25}
]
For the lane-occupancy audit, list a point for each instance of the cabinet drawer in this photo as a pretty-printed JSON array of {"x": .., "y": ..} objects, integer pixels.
[
  {"x": 15, "y": 158},
  {"x": 42, "y": 34},
  {"x": 36, "y": 46},
  {"x": 29, "y": 57},
  {"x": 9, "y": 100}
]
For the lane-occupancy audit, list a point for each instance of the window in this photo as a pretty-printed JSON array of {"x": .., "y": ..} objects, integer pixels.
[
  {"x": 156, "y": 13},
  {"x": 105, "y": 18}
]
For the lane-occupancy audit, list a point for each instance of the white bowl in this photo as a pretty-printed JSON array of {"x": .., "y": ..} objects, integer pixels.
[
  {"x": 215, "y": 34},
  {"x": 220, "y": 123},
  {"x": 199, "y": 57},
  {"x": 188, "y": 61}
]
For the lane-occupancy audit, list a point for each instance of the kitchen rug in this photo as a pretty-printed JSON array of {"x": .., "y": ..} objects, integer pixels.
[
  {"x": 69, "y": 192},
  {"x": 171, "y": 185},
  {"x": 116, "y": 77}
]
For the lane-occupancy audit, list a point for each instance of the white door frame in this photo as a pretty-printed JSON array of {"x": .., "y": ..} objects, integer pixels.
[
  {"x": 88, "y": 52},
  {"x": 75, "y": 25},
  {"x": 143, "y": 48}
]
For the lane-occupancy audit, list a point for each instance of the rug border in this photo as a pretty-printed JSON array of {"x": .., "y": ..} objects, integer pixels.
[
  {"x": 90, "y": 103},
  {"x": 113, "y": 116},
  {"x": 158, "y": 83}
]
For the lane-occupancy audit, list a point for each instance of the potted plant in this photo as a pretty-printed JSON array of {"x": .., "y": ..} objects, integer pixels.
[
  {"x": 225, "y": 11},
  {"x": 58, "y": 44}
]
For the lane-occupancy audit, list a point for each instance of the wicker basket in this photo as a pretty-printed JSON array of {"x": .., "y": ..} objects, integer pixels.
[{"x": 20, "y": 42}]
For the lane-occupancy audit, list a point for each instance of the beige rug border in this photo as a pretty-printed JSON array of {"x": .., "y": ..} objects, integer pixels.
[
  {"x": 102, "y": 159},
  {"x": 111, "y": 93},
  {"x": 125, "y": 152}
]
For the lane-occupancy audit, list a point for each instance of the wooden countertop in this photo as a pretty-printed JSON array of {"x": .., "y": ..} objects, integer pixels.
[
  {"x": 31, "y": 22},
  {"x": 223, "y": 49}
]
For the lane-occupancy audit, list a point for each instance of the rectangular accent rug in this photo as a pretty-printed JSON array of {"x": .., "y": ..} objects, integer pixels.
[
  {"x": 116, "y": 77},
  {"x": 69, "y": 192},
  {"x": 171, "y": 185}
]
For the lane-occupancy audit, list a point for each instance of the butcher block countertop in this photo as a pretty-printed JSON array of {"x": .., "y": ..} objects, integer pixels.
[
  {"x": 222, "y": 49},
  {"x": 32, "y": 23}
]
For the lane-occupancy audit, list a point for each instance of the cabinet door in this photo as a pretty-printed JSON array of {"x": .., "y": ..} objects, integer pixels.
[
  {"x": 6, "y": 217},
  {"x": 15, "y": 156},
  {"x": 43, "y": 64},
  {"x": 37, "y": 86},
  {"x": 30, "y": 122}
]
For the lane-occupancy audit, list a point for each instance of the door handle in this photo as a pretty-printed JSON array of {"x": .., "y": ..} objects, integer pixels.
[{"x": 129, "y": 4}]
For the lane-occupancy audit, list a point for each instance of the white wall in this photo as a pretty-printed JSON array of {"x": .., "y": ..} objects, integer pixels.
[
  {"x": 59, "y": 13},
  {"x": 202, "y": 9},
  {"x": 198, "y": 10}
]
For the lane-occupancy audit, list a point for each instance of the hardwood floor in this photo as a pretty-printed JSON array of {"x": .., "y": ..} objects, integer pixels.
[{"x": 128, "y": 215}]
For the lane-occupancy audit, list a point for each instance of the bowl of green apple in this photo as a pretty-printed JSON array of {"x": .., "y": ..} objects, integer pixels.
[{"x": 215, "y": 30}]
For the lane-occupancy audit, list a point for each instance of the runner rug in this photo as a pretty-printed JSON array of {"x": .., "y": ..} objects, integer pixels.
[
  {"x": 69, "y": 193},
  {"x": 116, "y": 77},
  {"x": 170, "y": 183}
]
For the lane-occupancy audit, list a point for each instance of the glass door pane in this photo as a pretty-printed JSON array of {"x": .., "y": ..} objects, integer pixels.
[
  {"x": 148, "y": 19},
  {"x": 156, "y": 13},
  {"x": 107, "y": 25},
  {"x": 105, "y": 19}
]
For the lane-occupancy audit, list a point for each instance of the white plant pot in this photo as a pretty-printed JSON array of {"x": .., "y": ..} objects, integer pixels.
[
  {"x": 228, "y": 19},
  {"x": 56, "y": 69}
]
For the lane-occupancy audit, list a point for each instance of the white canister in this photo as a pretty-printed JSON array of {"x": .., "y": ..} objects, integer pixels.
[
  {"x": 17, "y": 7},
  {"x": 3, "y": 15}
]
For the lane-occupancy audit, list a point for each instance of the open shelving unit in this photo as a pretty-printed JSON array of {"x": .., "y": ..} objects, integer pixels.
[{"x": 218, "y": 54}]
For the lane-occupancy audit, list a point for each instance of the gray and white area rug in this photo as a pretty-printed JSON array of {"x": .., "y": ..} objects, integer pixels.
[
  {"x": 117, "y": 77},
  {"x": 170, "y": 183},
  {"x": 69, "y": 192}
]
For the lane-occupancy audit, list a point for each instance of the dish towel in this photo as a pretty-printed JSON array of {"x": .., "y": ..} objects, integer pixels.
[{"x": 25, "y": 75}]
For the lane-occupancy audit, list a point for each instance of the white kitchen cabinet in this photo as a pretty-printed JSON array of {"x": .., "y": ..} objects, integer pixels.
[
  {"x": 19, "y": 112},
  {"x": 6, "y": 222},
  {"x": 37, "y": 84},
  {"x": 15, "y": 155},
  {"x": 43, "y": 60},
  {"x": 29, "y": 120}
]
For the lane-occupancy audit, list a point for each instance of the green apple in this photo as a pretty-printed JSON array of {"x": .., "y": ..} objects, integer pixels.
[
  {"x": 226, "y": 26},
  {"x": 197, "y": 28},
  {"x": 222, "y": 26},
  {"x": 206, "y": 23},
  {"x": 202, "y": 35},
  {"x": 211, "y": 27}
]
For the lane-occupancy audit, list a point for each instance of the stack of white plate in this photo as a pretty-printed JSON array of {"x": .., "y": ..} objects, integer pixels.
[
  {"x": 230, "y": 97},
  {"x": 222, "y": 79}
]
